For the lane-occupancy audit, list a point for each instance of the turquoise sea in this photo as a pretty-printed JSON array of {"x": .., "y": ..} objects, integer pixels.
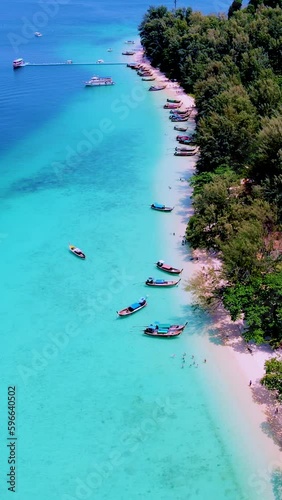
[{"x": 102, "y": 412}]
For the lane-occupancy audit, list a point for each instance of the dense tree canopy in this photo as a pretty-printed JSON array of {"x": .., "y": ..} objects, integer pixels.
[{"x": 233, "y": 66}]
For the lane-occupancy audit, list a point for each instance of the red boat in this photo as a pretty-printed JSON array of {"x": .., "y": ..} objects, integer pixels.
[
  {"x": 168, "y": 269},
  {"x": 183, "y": 137}
]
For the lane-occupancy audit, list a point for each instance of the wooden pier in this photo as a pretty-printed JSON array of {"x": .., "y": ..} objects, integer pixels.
[{"x": 77, "y": 64}]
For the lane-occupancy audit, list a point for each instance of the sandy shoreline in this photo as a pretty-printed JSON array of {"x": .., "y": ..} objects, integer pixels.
[{"x": 223, "y": 342}]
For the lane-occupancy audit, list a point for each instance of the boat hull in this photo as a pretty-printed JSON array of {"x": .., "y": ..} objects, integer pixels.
[
  {"x": 165, "y": 209},
  {"x": 169, "y": 269},
  {"x": 167, "y": 284},
  {"x": 81, "y": 255},
  {"x": 126, "y": 311},
  {"x": 172, "y": 331}
]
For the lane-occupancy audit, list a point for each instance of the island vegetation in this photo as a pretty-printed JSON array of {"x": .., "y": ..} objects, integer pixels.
[{"x": 232, "y": 64}]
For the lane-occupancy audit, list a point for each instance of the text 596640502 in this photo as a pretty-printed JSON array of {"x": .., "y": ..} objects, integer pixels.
[{"x": 12, "y": 439}]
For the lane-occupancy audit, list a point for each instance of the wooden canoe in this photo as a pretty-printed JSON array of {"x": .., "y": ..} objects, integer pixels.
[
  {"x": 133, "y": 308},
  {"x": 159, "y": 330},
  {"x": 161, "y": 283},
  {"x": 167, "y": 268}
]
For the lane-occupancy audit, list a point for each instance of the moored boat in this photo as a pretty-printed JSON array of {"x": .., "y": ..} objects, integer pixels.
[
  {"x": 179, "y": 128},
  {"x": 186, "y": 153},
  {"x": 161, "y": 283},
  {"x": 183, "y": 148},
  {"x": 172, "y": 106},
  {"x": 164, "y": 330},
  {"x": 133, "y": 65},
  {"x": 128, "y": 53},
  {"x": 161, "y": 208},
  {"x": 182, "y": 112},
  {"x": 183, "y": 138},
  {"x": 18, "y": 63},
  {"x": 148, "y": 78},
  {"x": 129, "y": 41},
  {"x": 167, "y": 268},
  {"x": 174, "y": 100},
  {"x": 177, "y": 118},
  {"x": 76, "y": 251},
  {"x": 157, "y": 87},
  {"x": 136, "y": 306},
  {"x": 37, "y": 33}
]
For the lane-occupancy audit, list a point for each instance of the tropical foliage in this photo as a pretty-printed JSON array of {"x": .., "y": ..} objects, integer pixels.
[{"x": 233, "y": 66}]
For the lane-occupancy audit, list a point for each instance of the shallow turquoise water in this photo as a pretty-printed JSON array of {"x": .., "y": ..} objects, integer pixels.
[{"x": 102, "y": 411}]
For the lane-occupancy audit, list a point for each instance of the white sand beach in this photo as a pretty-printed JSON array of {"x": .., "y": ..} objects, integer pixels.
[{"x": 236, "y": 371}]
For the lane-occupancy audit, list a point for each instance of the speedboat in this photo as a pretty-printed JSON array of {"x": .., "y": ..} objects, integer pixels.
[
  {"x": 37, "y": 33},
  {"x": 100, "y": 61},
  {"x": 136, "y": 306},
  {"x": 18, "y": 63},
  {"x": 76, "y": 251}
]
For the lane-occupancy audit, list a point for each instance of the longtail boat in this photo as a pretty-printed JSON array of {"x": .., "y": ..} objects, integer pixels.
[
  {"x": 187, "y": 142},
  {"x": 172, "y": 106},
  {"x": 157, "y": 87},
  {"x": 179, "y": 128},
  {"x": 148, "y": 78},
  {"x": 183, "y": 148},
  {"x": 133, "y": 308},
  {"x": 186, "y": 153},
  {"x": 128, "y": 53},
  {"x": 182, "y": 112},
  {"x": 164, "y": 330},
  {"x": 161, "y": 283},
  {"x": 183, "y": 137},
  {"x": 174, "y": 100},
  {"x": 161, "y": 208},
  {"x": 175, "y": 118},
  {"x": 168, "y": 269},
  {"x": 133, "y": 65}
]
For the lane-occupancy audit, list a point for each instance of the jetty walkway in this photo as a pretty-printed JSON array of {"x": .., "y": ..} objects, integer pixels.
[{"x": 77, "y": 64}]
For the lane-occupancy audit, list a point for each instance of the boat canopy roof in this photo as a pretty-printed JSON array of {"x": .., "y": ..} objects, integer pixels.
[
  {"x": 20, "y": 59},
  {"x": 158, "y": 205},
  {"x": 134, "y": 306},
  {"x": 160, "y": 281}
]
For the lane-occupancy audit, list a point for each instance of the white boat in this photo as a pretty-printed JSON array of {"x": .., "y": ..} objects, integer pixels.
[
  {"x": 110, "y": 50},
  {"x": 129, "y": 41},
  {"x": 100, "y": 61},
  {"x": 37, "y": 33},
  {"x": 98, "y": 81},
  {"x": 18, "y": 63}
]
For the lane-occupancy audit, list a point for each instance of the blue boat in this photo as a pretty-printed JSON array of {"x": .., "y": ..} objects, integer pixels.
[
  {"x": 161, "y": 208},
  {"x": 136, "y": 306}
]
